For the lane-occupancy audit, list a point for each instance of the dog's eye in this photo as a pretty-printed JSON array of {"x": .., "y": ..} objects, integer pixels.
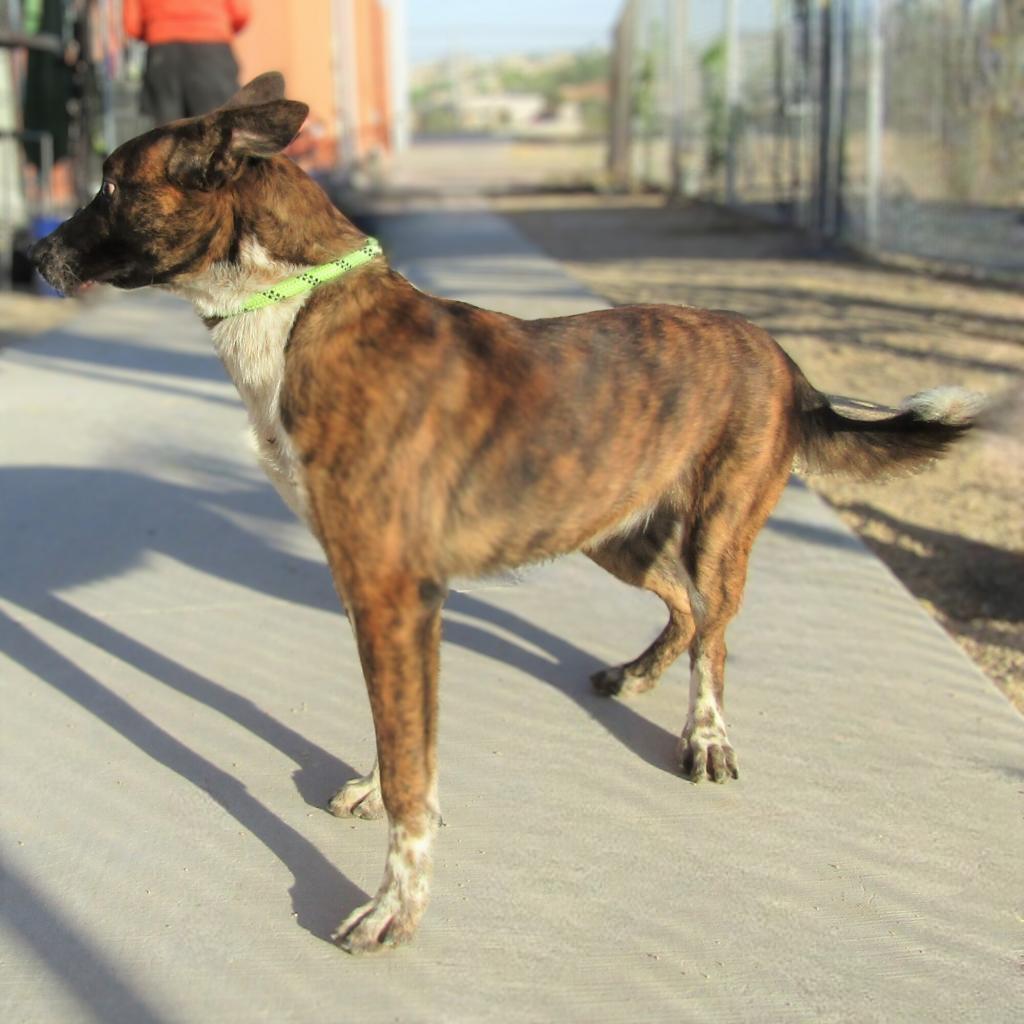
[{"x": 107, "y": 189}]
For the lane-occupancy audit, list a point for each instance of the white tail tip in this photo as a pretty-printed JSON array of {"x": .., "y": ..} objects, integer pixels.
[{"x": 950, "y": 405}]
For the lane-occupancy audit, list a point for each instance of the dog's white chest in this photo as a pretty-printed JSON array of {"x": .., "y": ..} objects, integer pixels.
[{"x": 251, "y": 347}]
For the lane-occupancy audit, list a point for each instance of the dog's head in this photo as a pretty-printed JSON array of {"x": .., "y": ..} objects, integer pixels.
[{"x": 169, "y": 206}]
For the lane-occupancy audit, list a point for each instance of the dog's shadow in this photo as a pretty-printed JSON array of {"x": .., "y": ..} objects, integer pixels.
[
  {"x": 66, "y": 527},
  {"x": 559, "y": 663}
]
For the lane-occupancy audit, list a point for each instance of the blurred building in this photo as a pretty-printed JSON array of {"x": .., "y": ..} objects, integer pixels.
[
  {"x": 551, "y": 96},
  {"x": 515, "y": 112},
  {"x": 340, "y": 57}
]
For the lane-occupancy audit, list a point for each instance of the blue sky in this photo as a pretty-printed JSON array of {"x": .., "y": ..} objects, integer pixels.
[
  {"x": 490, "y": 28},
  {"x": 487, "y": 28}
]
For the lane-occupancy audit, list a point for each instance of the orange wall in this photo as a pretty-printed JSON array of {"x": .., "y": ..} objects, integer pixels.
[{"x": 294, "y": 37}]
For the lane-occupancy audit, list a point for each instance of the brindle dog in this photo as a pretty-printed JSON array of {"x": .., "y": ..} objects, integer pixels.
[{"x": 422, "y": 438}]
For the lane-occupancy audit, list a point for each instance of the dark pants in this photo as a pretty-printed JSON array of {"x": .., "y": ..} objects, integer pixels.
[{"x": 186, "y": 79}]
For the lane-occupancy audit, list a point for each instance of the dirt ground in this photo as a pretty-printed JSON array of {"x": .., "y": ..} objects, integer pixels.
[
  {"x": 23, "y": 314},
  {"x": 955, "y": 534}
]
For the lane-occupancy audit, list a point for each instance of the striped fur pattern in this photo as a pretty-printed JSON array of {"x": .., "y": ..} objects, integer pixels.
[{"x": 423, "y": 438}]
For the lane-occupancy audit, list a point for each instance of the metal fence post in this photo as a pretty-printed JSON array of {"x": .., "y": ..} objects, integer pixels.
[
  {"x": 826, "y": 125},
  {"x": 779, "y": 88},
  {"x": 676, "y": 49},
  {"x": 398, "y": 54},
  {"x": 620, "y": 142},
  {"x": 875, "y": 125},
  {"x": 732, "y": 94}
]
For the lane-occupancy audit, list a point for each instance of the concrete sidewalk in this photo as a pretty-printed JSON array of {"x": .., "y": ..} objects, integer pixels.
[{"x": 180, "y": 697}]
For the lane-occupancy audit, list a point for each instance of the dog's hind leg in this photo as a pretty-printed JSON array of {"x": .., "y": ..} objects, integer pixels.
[
  {"x": 716, "y": 551},
  {"x": 648, "y": 559},
  {"x": 397, "y": 621},
  {"x": 359, "y": 798}
]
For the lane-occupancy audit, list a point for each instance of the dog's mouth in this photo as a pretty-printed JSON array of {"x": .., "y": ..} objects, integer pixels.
[
  {"x": 61, "y": 273},
  {"x": 69, "y": 285}
]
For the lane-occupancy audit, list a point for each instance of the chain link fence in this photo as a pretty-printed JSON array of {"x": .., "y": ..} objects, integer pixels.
[{"x": 894, "y": 126}]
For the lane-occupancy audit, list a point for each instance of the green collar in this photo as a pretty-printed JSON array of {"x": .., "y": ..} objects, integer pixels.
[{"x": 308, "y": 279}]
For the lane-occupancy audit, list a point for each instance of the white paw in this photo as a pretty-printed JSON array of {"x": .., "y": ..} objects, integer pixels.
[
  {"x": 377, "y": 925},
  {"x": 704, "y": 752},
  {"x": 392, "y": 915},
  {"x": 359, "y": 798}
]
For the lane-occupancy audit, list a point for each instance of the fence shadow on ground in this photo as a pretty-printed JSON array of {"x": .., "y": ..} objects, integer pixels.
[
  {"x": 102, "y": 988},
  {"x": 974, "y": 574},
  {"x": 712, "y": 238}
]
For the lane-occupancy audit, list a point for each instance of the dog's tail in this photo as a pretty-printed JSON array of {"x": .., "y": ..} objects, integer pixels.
[{"x": 923, "y": 428}]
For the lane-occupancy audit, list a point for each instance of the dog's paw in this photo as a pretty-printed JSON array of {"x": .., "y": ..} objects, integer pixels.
[
  {"x": 704, "y": 752},
  {"x": 359, "y": 798},
  {"x": 619, "y": 682},
  {"x": 390, "y": 918},
  {"x": 380, "y": 924}
]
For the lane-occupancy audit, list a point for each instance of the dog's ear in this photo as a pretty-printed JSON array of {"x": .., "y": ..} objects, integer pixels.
[
  {"x": 265, "y": 129},
  {"x": 211, "y": 150},
  {"x": 262, "y": 89}
]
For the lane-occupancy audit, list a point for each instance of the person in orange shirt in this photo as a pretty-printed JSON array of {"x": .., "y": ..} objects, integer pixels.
[{"x": 190, "y": 66}]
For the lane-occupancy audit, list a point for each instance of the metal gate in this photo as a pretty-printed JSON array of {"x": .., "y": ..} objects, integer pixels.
[{"x": 894, "y": 126}]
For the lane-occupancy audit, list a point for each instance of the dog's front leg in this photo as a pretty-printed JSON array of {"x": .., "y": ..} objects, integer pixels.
[{"x": 398, "y": 630}]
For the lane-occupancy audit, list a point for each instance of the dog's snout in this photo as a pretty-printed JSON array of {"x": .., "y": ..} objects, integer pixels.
[
  {"x": 37, "y": 251},
  {"x": 55, "y": 262}
]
